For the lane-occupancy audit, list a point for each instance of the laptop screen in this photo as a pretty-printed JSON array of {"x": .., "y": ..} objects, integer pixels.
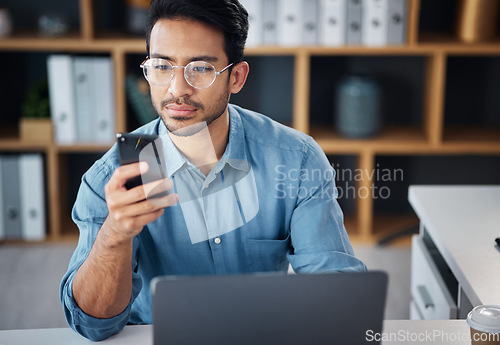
[{"x": 334, "y": 308}]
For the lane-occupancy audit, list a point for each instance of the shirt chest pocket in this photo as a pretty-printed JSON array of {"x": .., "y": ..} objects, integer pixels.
[{"x": 267, "y": 255}]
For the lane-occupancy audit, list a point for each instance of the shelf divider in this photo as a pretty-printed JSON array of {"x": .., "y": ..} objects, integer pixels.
[
  {"x": 301, "y": 91},
  {"x": 364, "y": 197},
  {"x": 435, "y": 80},
  {"x": 413, "y": 14},
  {"x": 119, "y": 59},
  {"x": 53, "y": 191},
  {"x": 87, "y": 19}
]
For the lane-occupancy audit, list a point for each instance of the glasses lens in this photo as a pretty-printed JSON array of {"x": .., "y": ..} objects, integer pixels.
[
  {"x": 200, "y": 74},
  {"x": 158, "y": 71}
]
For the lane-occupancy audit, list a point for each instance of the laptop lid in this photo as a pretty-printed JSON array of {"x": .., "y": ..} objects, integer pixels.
[{"x": 334, "y": 308}]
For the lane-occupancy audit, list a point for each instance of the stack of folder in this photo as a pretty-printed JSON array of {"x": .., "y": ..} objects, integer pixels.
[
  {"x": 82, "y": 100},
  {"x": 22, "y": 197},
  {"x": 326, "y": 22}
]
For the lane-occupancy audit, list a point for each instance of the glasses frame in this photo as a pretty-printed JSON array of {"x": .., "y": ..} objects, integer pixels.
[{"x": 143, "y": 65}]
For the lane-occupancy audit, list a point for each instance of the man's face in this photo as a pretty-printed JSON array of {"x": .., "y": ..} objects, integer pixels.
[{"x": 178, "y": 103}]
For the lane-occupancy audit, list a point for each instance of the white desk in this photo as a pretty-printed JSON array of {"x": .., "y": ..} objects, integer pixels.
[
  {"x": 403, "y": 332},
  {"x": 463, "y": 222}
]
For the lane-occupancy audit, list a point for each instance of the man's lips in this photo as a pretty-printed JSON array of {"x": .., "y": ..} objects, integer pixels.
[{"x": 181, "y": 110}]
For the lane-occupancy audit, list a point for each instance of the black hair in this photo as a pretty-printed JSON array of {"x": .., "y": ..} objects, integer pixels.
[{"x": 227, "y": 15}]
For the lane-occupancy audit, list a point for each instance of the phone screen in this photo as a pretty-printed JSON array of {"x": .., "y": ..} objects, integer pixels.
[{"x": 133, "y": 148}]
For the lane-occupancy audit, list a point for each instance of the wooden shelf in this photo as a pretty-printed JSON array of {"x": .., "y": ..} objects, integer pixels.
[
  {"x": 83, "y": 148},
  {"x": 432, "y": 136},
  {"x": 8, "y": 135},
  {"x": 33, "y": 42},
  {"x": 9, "y": 141},
  {"x": 414, "y": 50},
  {"x": 383, "y": 225},
  {"x": 408, "y": 140},
  {"x": 69, "y": 238},
  {"x": 111, "y": 41},
  {"x": 390, "y": 140},
  {"x": 14, "y": 144},
  {"x": 17, "y": 145},
  {"x": 69, "y": 230},
  {"x": 388, "y": 224},
  {"x": 452, "y": 45},
  {"x": 352, "y": 227},
  {"x": 467, "y": 139}
]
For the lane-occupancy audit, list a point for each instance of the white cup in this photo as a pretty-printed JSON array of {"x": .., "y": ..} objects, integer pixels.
[{"x": 484, "y": 322}]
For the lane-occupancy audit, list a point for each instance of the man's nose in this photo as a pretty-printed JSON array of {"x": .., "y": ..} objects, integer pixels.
[{"x": 179, "y": 87}]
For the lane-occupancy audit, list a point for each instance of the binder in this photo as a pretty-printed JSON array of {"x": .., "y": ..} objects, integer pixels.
[
  {"x": 255, "y": 26},
  {"x": 11, "y": 197},
  {"x": 289, "y": 19},
  {"x": 32, "y": 197},
  {"x": 354, "y": 21},
  {"x": 332, "y": 22},
  {"x": 62, "y": 98},
  {"x": 374, "y": 25},
  {"x": 396, "y": 22},
  {"x": 84, "y": 86},
  {"x": 104, "y": 100},
  {"x": 2, "y": 220},
  {"x": 310, "y": 22},
  {"x": 269, "y": 22}
]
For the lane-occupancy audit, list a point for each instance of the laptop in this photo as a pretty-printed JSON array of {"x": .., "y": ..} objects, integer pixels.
[{"x": 274, "y": 309}]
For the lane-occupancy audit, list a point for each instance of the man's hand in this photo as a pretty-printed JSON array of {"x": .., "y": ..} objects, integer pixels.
[
  {"x": 130, "y": 210},
  {"x": 103, "y": 284}
]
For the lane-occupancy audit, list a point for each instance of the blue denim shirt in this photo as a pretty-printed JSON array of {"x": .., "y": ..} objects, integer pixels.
[{"x": 269, "y": 201}]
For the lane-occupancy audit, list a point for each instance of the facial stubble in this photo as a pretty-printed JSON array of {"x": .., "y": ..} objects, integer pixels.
[{"x": 184, "y": 128}]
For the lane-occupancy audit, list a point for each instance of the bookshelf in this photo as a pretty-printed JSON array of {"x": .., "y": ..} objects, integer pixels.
[{"x": 430, "y": 133}]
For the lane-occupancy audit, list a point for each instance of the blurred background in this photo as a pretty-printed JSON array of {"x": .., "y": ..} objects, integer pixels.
[{"x": 396, "y": 92}]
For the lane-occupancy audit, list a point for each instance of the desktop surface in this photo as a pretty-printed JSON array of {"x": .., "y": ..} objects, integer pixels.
[
  {"x": 395, "y": 332},
  {"x": 463, "y": 222}
]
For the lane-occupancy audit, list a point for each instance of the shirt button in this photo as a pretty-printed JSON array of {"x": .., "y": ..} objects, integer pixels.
[{"x": 217, "y": 240}]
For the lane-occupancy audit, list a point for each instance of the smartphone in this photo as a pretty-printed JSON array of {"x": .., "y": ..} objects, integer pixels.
[{"x": 133, "y": 148}]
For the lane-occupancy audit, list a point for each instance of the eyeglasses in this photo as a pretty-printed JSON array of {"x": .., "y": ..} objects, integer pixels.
[{"x": 198, "y": 74}]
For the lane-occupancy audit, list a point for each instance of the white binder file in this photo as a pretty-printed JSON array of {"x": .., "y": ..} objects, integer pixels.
[
  {"x": 104, "y": 100},
  {"x": 84, "y": 89},
  {"x": 396, "y": 22},
  {"x": 332, "y": 22},
  {"x": 290, "y": 17},
  {"x": 32, "y": 197},
  {"x": 62, "y": 98},
  {"x": 255, "y": 26},
  {"x": 310, "y": 23},
  {"x": 375, "y": 23},
  {"x": 354, "y": 21},
  {"x": 11, "y": 197},
  {"x": 269, "y": 21}
]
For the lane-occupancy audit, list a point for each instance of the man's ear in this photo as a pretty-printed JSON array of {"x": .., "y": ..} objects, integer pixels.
[{"x": 238, "y": 76}]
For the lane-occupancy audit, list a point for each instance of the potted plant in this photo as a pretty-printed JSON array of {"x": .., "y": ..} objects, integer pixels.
[{"x": 36, "y": 125}]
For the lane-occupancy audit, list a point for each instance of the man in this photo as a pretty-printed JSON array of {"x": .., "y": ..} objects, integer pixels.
[{"x": 246, "y": 193}]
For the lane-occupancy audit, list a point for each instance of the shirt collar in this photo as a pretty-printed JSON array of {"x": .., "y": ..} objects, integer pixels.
[
  {"x": 236, "y": 149},
  {"x": 174, "y": 160},
  {"x": 235, "y": 154}
]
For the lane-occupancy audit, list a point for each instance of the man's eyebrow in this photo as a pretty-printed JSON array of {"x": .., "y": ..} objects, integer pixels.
[
  {"x": 207, "y": 58},
  {"x": 160, "y": 56}
]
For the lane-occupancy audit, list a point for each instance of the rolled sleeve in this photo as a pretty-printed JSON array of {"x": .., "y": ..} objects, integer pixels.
[
  {"x": 89, "y": 213},
  {"x": 319, "y": 239},
  {"x": 88, "y": 326}
]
